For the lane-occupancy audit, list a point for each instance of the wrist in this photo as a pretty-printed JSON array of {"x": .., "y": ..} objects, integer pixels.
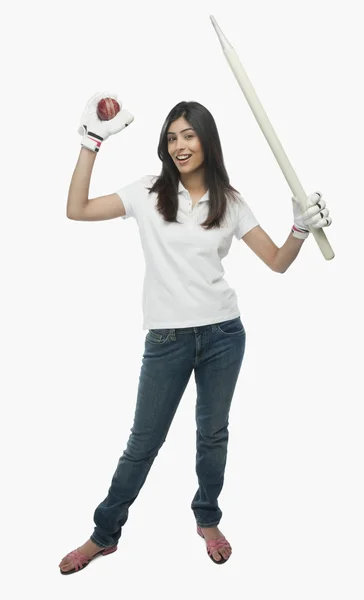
[
  {"x": 299, "y": 232},
  {"x": 92, "y": 141}
]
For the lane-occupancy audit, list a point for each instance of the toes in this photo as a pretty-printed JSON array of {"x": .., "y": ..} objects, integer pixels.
[
  {"x": 224, "y": 553},
  {"x": 66, "y": 564}
]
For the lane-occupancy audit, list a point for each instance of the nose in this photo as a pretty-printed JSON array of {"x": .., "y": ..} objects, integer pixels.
[{"x": 180, "y": 146}]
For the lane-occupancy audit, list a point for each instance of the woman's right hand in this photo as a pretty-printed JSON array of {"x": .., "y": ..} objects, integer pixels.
[{"x": 93, "y": 130}]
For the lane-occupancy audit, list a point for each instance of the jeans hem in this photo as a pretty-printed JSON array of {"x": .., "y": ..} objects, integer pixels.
[{"x": 93, "y": 539}]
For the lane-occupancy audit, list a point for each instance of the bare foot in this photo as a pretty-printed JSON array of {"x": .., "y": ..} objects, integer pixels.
[
  {"x": 213, "y": 533},
  {"x": 89, "y": 549}
]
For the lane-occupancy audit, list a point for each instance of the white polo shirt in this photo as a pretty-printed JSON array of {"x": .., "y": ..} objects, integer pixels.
[{"x": 184, "y": 283}]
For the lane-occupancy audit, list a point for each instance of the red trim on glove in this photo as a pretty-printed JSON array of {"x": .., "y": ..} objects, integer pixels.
[{"x": 294, "y": 228}]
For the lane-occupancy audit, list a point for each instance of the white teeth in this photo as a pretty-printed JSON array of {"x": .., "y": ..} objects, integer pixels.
[{"x": 181, "y": 156}]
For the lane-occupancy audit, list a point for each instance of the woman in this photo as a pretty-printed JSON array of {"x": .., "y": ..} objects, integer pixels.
[{"x": 186, "y": 218}]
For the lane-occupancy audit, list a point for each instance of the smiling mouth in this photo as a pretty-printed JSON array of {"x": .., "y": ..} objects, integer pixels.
[{"x": 185, "y": 158}]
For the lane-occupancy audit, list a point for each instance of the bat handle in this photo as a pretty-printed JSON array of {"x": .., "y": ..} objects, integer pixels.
[
  {"x": 298, "y": 191},
  {"x": 323, "y": 243}
]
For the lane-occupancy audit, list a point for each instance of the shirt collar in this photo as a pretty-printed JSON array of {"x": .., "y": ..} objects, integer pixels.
[{"x": 182, "y": 190}]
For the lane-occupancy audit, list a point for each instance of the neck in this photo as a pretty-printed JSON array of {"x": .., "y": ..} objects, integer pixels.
[{"x": 194, "y": 182}]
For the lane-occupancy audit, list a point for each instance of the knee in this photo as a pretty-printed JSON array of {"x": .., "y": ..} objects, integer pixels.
[
  {"x": 211, "y": 434},
  {"x": 141, "y": 447}
]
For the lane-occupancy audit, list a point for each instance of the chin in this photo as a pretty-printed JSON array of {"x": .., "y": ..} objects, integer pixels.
[{"x": 189, "y": 169}]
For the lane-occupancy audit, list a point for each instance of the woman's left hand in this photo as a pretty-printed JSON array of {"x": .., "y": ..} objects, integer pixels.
[{"x": 316, "y": 215}]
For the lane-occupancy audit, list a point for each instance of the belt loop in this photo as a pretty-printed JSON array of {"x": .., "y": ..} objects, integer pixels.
[{"x": 172, "y": 333}]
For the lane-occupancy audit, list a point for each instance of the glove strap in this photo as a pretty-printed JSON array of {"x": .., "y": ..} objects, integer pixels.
[
  {"x": 299, "y": 233},
  {"x": 92, "y": 141}
]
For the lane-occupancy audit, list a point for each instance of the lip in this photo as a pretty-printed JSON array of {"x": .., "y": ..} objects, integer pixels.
[{"x": 183, "y": 162}]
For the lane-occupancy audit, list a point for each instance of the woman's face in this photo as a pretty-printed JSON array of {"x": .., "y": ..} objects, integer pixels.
[{"x": 183, "y": 140}]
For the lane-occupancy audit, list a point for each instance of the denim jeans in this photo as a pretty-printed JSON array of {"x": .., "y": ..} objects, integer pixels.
[{"x": 215, "y": 353}]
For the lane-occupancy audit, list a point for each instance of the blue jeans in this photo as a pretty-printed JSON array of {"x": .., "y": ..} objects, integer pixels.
[{"x": 215, "y": 353}]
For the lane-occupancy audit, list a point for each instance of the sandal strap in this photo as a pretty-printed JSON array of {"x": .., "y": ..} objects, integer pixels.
[
  {"x": 78, "y": 559},
  {"x": 214, "y": 545}
]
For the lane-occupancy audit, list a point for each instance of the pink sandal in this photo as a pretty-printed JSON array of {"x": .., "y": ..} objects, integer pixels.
[
  {"x": 80, "y": 561},
  {"x": 214, "y": 545}
]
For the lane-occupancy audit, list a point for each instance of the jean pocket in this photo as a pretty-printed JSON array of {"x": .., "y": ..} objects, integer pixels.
[
  {"x": 157, "y": 336},
  {"x": 232, "y": 327}
]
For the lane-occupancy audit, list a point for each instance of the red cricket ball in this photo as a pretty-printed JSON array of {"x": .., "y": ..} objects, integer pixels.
[{"x": 107, "y": 109}]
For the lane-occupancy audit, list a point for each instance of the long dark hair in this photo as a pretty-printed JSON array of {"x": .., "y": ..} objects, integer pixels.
[{"x": 216, "y": 177}]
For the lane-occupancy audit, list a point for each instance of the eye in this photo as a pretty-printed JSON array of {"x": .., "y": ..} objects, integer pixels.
[{"x": 188, "y": 135}]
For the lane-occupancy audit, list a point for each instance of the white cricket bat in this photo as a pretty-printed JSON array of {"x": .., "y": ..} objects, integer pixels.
[{"x": 270, "y": 136}]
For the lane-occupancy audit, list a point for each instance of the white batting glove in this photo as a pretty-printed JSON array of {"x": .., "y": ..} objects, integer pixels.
[
  {"x": 93, "y": 130},
  {"x": 316, "y": 216}
]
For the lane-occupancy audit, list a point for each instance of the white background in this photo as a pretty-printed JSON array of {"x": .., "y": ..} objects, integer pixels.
[{"x": 71, "y": 311}]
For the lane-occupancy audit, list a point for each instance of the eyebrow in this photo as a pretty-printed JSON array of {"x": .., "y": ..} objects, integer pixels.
[{"x": 173, "y": 132}]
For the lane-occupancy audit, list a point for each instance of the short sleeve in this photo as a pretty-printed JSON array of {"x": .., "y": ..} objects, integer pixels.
[
  {"x": 245, "y": 220},
  {"x": 128, "y": 195},
  {"x": 133, "y": 194}
]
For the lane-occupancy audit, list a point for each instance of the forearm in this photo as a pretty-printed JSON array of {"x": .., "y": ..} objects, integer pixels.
[
  {"x": 80, "y": 182},
  {"x": 287, "y": 253}
]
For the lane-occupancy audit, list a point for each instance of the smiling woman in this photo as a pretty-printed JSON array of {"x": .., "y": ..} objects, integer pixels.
[
  {"x": 190, "y": 129},
  {"x": 190, "y": 311}
]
